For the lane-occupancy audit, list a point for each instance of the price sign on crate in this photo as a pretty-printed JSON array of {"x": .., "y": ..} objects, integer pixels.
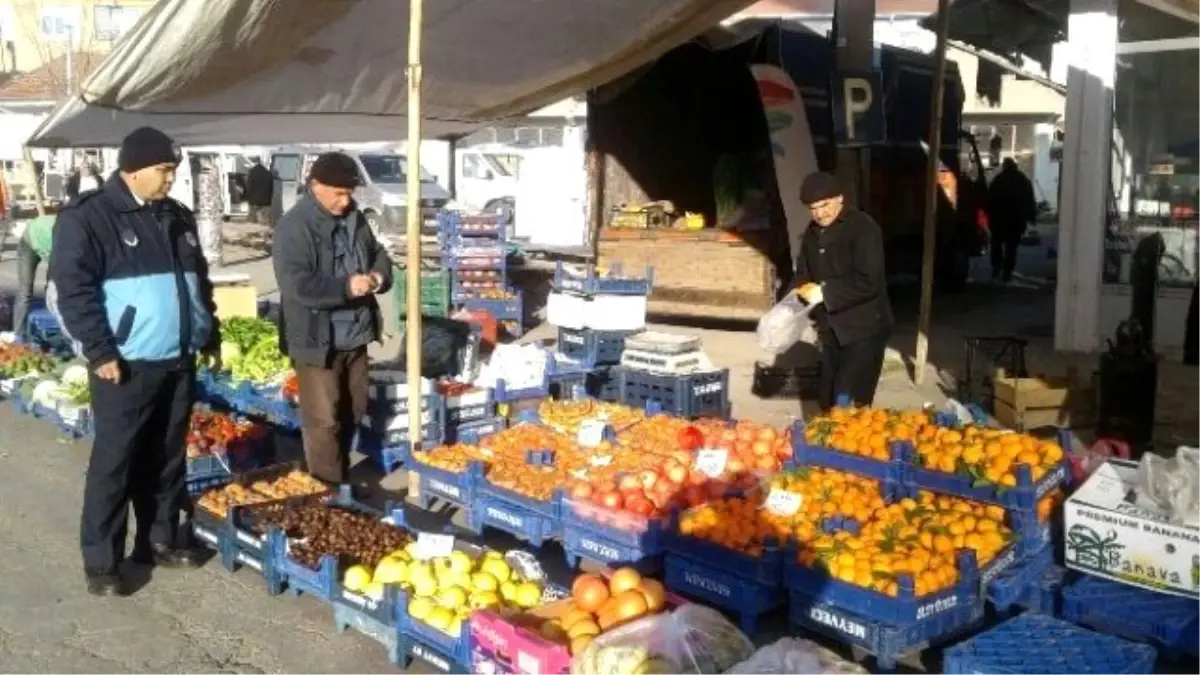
[
  {"x": 711, "y": 462},
  {"x": 591, "y": 433},
  {"x": 430, "y": 545},
  {"x": 783, "y": 502}
]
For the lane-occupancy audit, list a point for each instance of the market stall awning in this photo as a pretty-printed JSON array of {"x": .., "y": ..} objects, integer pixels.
[
  {"x": 264, "y": 71},
  {"x": 1010, "y": 28}
]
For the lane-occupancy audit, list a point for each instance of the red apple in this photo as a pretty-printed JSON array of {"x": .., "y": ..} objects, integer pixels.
[
  {"x": 629, "y": 482},
  {"x": 581, "y": 491},
  {"x": 610, "y": 500}
]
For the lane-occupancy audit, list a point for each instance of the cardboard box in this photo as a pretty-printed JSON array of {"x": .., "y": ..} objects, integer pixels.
[
  {"x": 234, "y": 295},
  {"x": 1109, "y": 535}
]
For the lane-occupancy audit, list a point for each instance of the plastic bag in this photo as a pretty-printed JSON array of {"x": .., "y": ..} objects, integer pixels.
[
  {"x": 692, "y": 639},
  {"x": 442, "y": 344},
  {"x": 1172, "y": 485},
  {"x": 784, "y": 325},
  {"x": 794, "y": 655}
]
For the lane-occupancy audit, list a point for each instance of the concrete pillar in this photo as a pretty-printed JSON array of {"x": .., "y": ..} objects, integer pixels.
[
  {"x": 1091, "y": 45},
  {"x": 1045, "y": 172},
  {"x": 854, "y": 26}
]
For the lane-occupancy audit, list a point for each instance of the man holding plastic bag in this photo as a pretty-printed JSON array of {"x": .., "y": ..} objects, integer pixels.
[{"x": 840, "y": 276}]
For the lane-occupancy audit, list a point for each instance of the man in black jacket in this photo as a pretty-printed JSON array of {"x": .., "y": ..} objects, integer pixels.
[
  {"x": 1010, "y": 206},
  {"x": 329, "y": 266},
  {"x": 260, "y": 188},
  {"x": 131, "y": 286},
  {"x": 840, "y": 267}
]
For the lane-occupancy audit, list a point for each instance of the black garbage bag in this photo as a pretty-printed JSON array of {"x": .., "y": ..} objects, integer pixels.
[{"x": 446, "y": 347}]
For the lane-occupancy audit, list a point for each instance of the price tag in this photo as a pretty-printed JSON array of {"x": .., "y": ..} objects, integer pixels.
[
  {"x": 591, "y": 433},
  {"x": 783, "y": 502},
  {"x": 711, "y": 462},
  {"x": 430, "y": 545},
  {"x": 600, "y": 460}
]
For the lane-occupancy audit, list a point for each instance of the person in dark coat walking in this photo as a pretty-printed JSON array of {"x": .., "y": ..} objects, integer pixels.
[
  {"x": 1011, "y": 207},
  {"x": 260, "y": 189},
  {"x": 131, "y": 288},
  {"x": 840, "y": 268},
  {"x": 329, "y": 267}
]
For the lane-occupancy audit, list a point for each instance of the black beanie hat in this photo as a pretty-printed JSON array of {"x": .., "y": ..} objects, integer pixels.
[
  {"x": 818, "y": 187},
  {"x": 335, "y": 169},
  {"x": 146, "y": 146}
]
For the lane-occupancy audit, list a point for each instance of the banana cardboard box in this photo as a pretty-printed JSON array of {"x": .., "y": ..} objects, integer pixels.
[{"x": 1112, "y": 533}]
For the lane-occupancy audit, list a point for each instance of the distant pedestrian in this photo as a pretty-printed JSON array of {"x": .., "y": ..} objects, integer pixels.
[
  {"x": 83, "y": 179},
  {"x": 131, "y": 287},
  {"x": 260, "y": 189},
  {"x": 329, "y": 267},
  {"x": 1011, "y": 207},
  {"x": 32, "y": 249},
  {"x": 840, "y": 267}
]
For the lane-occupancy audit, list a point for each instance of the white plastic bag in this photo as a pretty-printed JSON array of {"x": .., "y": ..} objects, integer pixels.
[
  {"x": 1172, "y": 485},
  {"x": 794, "y": 655},
  {"x": 784, "y": 324},
  {"x": 692, "y": 639}
]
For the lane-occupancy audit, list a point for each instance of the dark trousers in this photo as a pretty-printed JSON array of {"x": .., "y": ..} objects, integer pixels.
[
  {"x": 1006, "y": 240},
  {"x": 851, "y": 370},
  {"x": 333, "y": 401},
  {"x": 139, "y": 457},
  {"x": 27, "y": 264}
]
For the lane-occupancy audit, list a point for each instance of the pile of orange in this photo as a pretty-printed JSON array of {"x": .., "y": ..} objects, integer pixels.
[
  {"x": 917, "y": 537},
  {"x": 990, "y": 455}
]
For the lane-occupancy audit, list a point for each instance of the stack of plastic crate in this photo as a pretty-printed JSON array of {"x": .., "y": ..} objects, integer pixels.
[{"x": 475, "y": 254}]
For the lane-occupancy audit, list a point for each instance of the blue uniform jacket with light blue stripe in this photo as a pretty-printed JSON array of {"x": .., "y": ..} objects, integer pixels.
[{"x": 131, "y": 279}]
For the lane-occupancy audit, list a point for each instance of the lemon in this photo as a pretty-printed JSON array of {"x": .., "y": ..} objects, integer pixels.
[
  {"x": 508, "y": 591},
  {"x": 356, "y": 578},
  {"x": 391, "y": 571},
  {"x": 452, "y": 597},
  {"x": 440, "y": 618},
  {"x": 424, "y": 586},
  {"x": 460, "y": 562},
  {"x": 419, "y": 570},
  {"x": 410, "y": 549},
  {"x": 483, "y": 599},
  {"x": 400, "y": 554},
  {"x": 455, "y": 626},
  {"x": 493, "y": 555},
  {"x": 497, "y": 568},
  {"x": 420, "y": 608},
  {"x": 528, "y": 595},
  {"x": 482, "y": 581}
]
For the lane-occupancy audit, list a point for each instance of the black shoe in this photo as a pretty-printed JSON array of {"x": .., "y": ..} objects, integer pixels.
[
  {"x": 170, "y": 557},
  {"x": 106, "y": 583}
]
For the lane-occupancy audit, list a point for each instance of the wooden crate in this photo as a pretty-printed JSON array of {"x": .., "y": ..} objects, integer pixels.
[{"x": 1032, "y": 402}]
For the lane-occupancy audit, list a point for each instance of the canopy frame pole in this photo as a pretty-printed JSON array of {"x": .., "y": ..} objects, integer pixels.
[
  {"x": 413, "y": 219},
  {"x": 39, "y": 198},
  {"x": 932, "y": 186}
]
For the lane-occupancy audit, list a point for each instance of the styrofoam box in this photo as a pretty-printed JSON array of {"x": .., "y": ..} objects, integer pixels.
[
  {"x": 393, "y": 384},
  {"x": 616, "y": 312},
  {"x": 566, "y": 310},
  {"x": 469, "y": 398},
  {"x": 397, "y": 421},
  {"x": 1131, "y": 542}
]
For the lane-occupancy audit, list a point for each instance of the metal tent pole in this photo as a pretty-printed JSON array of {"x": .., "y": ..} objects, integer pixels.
[{"x": 931, "y": 191}]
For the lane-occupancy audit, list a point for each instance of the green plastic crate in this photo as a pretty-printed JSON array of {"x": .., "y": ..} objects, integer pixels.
[{"x": 435, "y": 296}]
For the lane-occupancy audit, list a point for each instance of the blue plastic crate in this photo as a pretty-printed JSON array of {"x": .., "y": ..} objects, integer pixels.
[
  {"x": 590, "y": 283},
  {"x": 448, "y": 653},
  {"x": 195, "y": 487},
  {"x": 471, "y": 432},
  {"x": 473, "y": 225},
  {"x": 387, "y": 634},
  {"x": 1007, "y": 585},
  {"x": 460, "y": 293},
  {"x": 1169, "y": 622},
  {"x": 692, "y": 395},
  {"x": 78, "y": 425},
  {"x": 885, "y": 641},
  {"x": 591, "y": 347},
  {"x": 207, "y": 466},
  {"x": 263, "y": 402},
  {"x": 1024, "y": 495},
  {"x": 458, "y": 260},
  {"x": 708, "y": 579},
  {"x": 807, "y": 454},
  {"x": 612, "y": 538},
  {"x": 1034, "y": 643},
  {"x": 526, "y": 519},
  {"x": 906, "y": 608},
  {"x": 1045, "y": 594},
  {"x": 501, "y": 309},
  {"x": 389, "y": 450},
  {"x": 602, "y": 383},
  {"x": 506, "y": 394},
  {"x": 469, "y": 414},
  {"x": 456, "y": 488}
]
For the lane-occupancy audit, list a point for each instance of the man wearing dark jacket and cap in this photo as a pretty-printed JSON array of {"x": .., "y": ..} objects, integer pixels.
[
  {"x": 840, "y": 268},
  {"x": 131, "y": 287},
  {"x": 329, "y": 266},
  {"x": 260, "y": 189},
  {"x": 1010, "y": 206}
]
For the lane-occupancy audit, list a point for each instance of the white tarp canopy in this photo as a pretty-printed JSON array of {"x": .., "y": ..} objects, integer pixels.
[{"x": 282, "y": 71}]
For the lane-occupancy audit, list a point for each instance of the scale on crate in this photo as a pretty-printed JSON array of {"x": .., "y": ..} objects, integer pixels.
[{"x": 665, "y": 353}]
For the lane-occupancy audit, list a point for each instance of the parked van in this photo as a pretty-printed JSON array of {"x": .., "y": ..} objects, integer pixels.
[{"x": 382, "y": 195}]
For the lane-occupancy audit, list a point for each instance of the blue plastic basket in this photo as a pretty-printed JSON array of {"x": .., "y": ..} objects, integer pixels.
[
  {"x": 526, "y": 519},
  {"x": 505, "y": 394},
  {"x": 885, "y": 641},
  {"x": 501, "y": 309},
  {"x": 1034, "y": 643},
  {"x": 807, "y": 454},
  {"x": 692, "y": 395},
  {"x": 1169, "y": 622},
  {"x": 385, "y": 633},
  {"x": 1045, "y": 594},
  {"x": 612, "y": 538},
  {"x": 456, "y": 488},
  {"x": 591, "y": 348},
  {"x": 448, "y": 653},
  {"x": 702, "y": 573},
  {"x": 471, "y": 225},
  {"x": 602, "y": 383},
  {"x": 615, "y": 283},
  {"x": 471, "y": 432},
  {"x": 1006, "y": 587}
]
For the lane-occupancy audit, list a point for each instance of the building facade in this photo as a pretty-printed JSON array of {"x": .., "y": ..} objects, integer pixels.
[{"x": 34, "y": 33}]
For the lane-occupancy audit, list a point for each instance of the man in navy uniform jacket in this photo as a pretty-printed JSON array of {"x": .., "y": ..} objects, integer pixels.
[{"x": 131, "y": 287}]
